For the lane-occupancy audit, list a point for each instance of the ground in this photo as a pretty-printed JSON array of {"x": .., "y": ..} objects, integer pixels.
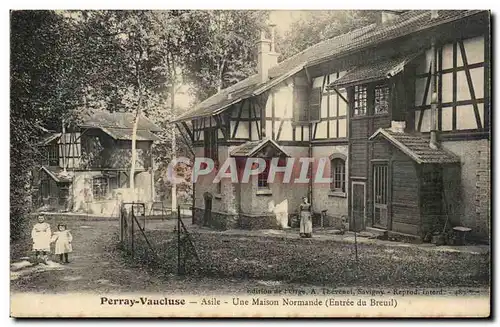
[{"x": 97, "y": 266}]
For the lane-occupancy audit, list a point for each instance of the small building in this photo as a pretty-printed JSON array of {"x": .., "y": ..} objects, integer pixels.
[
  {"x": 87, "y": 168},
  {"x": 412, "y": 184}
]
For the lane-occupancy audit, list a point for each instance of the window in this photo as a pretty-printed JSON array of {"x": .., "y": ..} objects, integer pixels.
[
  {"x": 99, "y": 187},
  {"x": 381, "y": 99},
  {"x": 360, "y": 100},
  {"x": 210, "y": 144},
  {"x": 262, "y": 178},
  {"x": 219, "y": 187},
  {"x": 300, "y": 103},
  {"x": 53, "y": 154},
  {"x": 371, "y": 99},
  {"x": 338, "y": 175}
]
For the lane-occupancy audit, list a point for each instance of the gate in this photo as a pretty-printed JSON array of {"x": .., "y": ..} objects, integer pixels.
[
  {"x": 128, "y": 224},
  {"x": 130, "y": 218}
]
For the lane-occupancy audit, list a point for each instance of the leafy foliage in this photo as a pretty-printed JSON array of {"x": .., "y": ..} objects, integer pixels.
[
  {"x": 225, "y": 44},
  {"x": 44, "y": 88},
  {"x": 66, "y": 64},
  {"x": 317, "y": 26}
]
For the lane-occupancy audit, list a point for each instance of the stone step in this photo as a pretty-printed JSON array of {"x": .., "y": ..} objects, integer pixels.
[{"x": 376, "y": 232}]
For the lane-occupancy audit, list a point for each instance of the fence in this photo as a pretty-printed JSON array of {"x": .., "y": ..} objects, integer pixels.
[{"x": 133, "y": 227}]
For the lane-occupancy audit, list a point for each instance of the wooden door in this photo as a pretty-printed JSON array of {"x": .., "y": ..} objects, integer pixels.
[
  {"x": 207, "y": 217},
  {"x": 380, "y": 195},
  {"x": 358, "y": 208}
]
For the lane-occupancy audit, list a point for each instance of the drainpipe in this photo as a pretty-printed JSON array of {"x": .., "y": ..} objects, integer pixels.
[
  {"x": 63, "y": 137},
  {"x": 434, "y": 98},
  {"x": 309, "y": 191}
]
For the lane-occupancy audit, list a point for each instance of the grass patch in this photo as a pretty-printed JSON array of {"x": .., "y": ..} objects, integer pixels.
[{"x": 316, "y": 262}]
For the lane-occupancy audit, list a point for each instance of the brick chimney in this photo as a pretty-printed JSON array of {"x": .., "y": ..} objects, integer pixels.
[
  {"x": 387, "y": 16},
  {"x": 267, "y": 55}
]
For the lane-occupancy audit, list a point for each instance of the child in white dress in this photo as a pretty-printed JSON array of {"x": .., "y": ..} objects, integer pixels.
[
  {"x": 63, "y": 239},
  {"x": 41, "y": 239}
]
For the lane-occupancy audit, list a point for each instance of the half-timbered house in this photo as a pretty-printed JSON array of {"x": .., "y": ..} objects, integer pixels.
[
  {"x": 400, "y": 109},
  {"x": 86, "y": 168}
]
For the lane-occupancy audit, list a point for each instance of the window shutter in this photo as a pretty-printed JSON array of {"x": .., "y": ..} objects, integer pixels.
[
  {"x": 315, "y": 104},
  {"x": 296, "y": 105}
]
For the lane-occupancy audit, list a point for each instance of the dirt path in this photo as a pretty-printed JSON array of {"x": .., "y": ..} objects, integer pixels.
[{"x": 97, "y": 267}]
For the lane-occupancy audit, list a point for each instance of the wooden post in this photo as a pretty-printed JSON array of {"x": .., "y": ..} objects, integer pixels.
[
  {"x": 355, "y": 241},
  {"x": 174, "y": 186},
  {"x": 132, "y": 231},
  {"x": 179, "y": 240},
  {"x": 63, "y": 138}
]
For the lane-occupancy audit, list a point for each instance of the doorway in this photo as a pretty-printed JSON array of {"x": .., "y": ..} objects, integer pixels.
[
  {"x": 207, "y": 216},
  {"x": 358, "y": 208},
  {"x": 380, "y": 195}
]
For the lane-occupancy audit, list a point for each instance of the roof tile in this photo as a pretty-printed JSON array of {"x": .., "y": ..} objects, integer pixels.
[
  {"x": 408, "y": 22},
  {"x": 417, "y": 147}
]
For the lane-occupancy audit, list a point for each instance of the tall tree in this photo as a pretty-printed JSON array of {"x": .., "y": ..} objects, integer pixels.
[
  {"x": 45, "y": 84},
  {"x": 222, "y": 44},
  {"x": 316, "y": 26},
  {"x": 129, "y": 75}
]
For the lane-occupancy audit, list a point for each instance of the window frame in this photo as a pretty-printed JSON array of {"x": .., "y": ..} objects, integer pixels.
[
  {"x": 210, "y": 144},
  {"x": 370, "y": 99},
  {"x": 366, "y": 90},
  {"x": 101, "y": 196},
  {"x": 260, "y": 178},
  {"x": 52, "y": 151},
  {"x": 381, "y": 86},
  {"x": 338, "y": 175}
]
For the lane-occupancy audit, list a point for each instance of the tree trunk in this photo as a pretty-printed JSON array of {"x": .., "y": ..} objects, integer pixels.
[
  {"x": 172, "y": 104},
  {"x": 134, "y": 135}
]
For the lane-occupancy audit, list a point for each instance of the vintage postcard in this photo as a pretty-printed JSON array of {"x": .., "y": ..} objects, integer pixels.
[{"x": 237, "y": 163}]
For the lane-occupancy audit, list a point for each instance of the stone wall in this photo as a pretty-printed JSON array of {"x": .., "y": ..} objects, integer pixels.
[
  {"x": 218, "y": 220},
  {"x": 322, "y": 197},
  {"x": 475, "y": 187}
]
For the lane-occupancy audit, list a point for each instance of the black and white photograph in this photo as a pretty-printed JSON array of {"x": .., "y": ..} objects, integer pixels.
[{"x": 225, "y": 163}]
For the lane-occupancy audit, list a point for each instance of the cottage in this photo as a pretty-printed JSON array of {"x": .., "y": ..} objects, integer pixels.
[
  {"x": 400, "y": 109},
  {"x": 87, "y": 168}
]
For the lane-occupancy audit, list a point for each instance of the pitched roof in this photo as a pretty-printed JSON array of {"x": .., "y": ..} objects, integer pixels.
[
  {"x": 98, "y": 119},
  {"x": 373, "y": 72},
  {"x": 408, "y": 22},
  {"x": 416, "y": 147},
  {"x": 249, "y": 149},
  {"x": 126, "y": 134},
  {"x": 58, "y": 174},
  {"x": 49, "y": 138}
]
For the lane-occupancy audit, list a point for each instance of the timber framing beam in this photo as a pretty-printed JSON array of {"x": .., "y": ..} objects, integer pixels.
[
  {"x": 185, "y": 140},
  {"x": 218, "y": 121},
  {"x": 470, "y": 83},
  {"x": 239, "y": 118},
  {"x": 188, "y": 130}
]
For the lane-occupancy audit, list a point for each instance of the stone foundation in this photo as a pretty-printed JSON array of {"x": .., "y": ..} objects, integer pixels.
[
  {"x": 224, "y": 221},
  {"x": 218, "y": 220},
  {"x": 268, "y": 221},
  {"x": 328, "y": 221}
]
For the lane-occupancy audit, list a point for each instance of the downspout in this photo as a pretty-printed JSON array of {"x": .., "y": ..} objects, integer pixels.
[
  {"x": 434, "y": 98},
  {"x": 310, "y": 164}
]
